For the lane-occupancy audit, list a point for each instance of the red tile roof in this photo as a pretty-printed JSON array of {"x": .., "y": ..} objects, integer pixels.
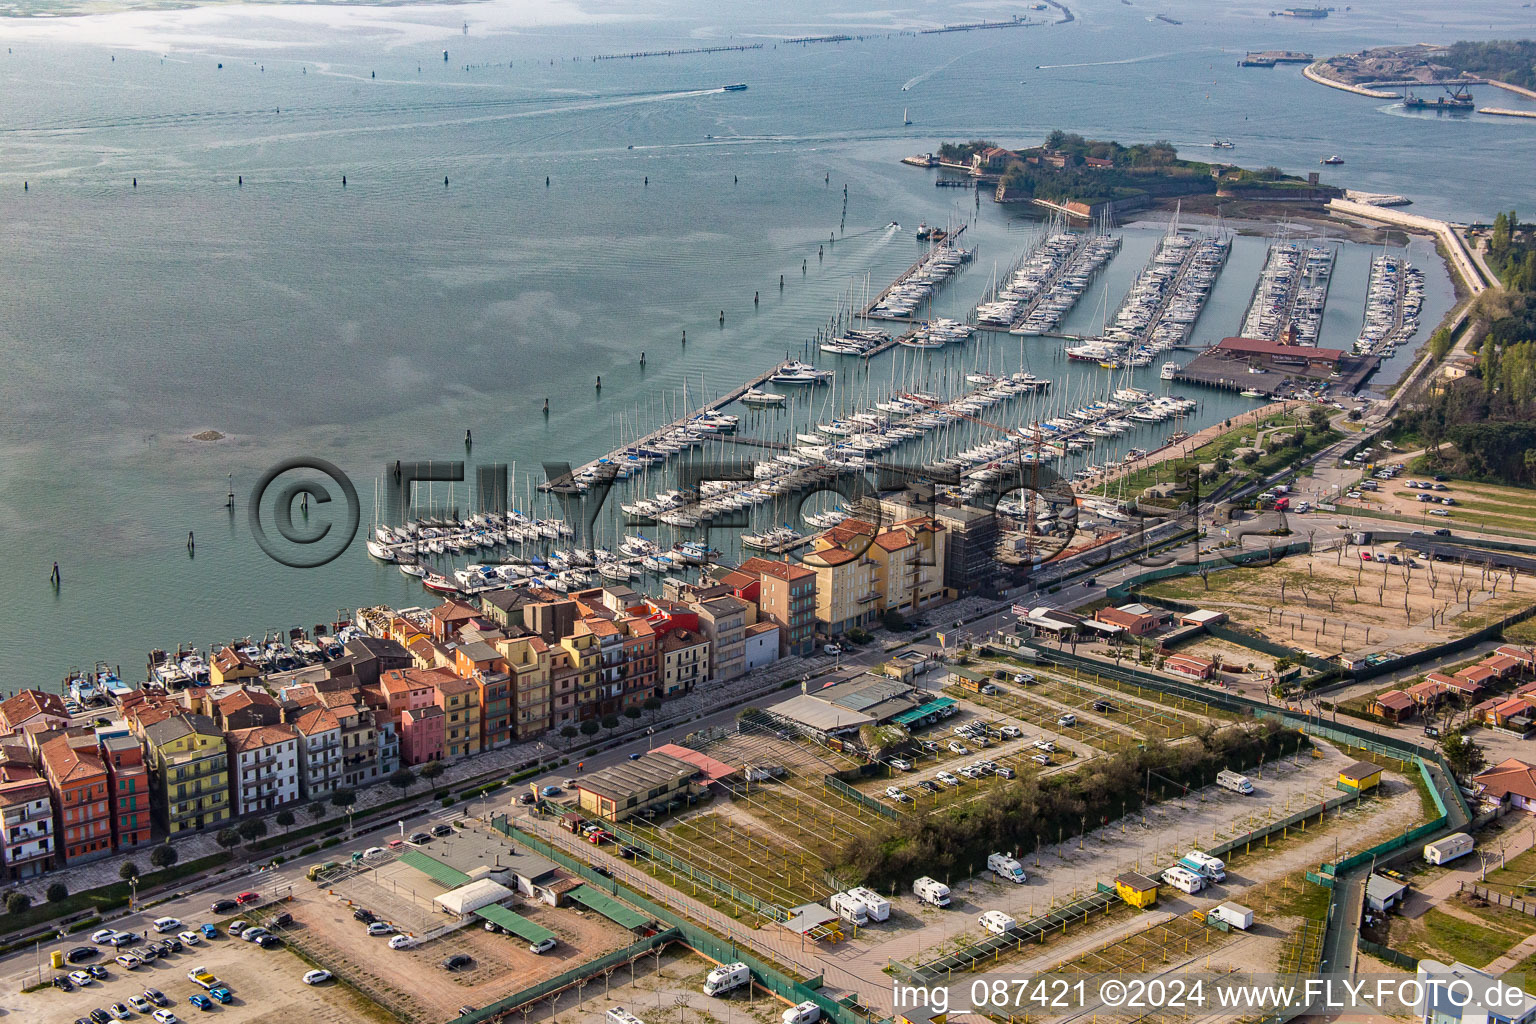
[
  {"x": 256, "y": 737},
  {"x": 780, "y": 570},
  {"x": 29, "y": 704},
  {"x": 1509, "y": 776},
  {"x": 65, "y": 764}
]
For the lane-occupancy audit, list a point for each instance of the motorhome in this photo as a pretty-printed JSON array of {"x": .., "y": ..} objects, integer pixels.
[
  {"x": 1235, "y": 782},
  {"x": 931, "y": 891},
  {"x": 849, "y": 908},
  {"x": 996, "y": 922},
  {"x": 726, "y": 978},
  {"x": 1213, "y": 869},
  {"x": 1184, "y": 880},
  {"x": 1006, "y": 868},
  {"x": 879, "y": 907}
]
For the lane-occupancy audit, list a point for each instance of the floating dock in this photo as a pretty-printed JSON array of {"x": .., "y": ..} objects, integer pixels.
[{"x": 868, "y": 313}]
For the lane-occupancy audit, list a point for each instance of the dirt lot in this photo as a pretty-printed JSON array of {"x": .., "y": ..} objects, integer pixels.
[
  {"x": 670, "y": 995},
  {"x": 266, "y": 984},
  {"x": 410, "y": 981},
  {"x": 1334, "y": 601}
]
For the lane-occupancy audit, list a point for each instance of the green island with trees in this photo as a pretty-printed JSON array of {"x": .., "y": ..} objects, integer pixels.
[
  {"x": 1067, "y": 167},
  {"x": 1507, "y": 60}
]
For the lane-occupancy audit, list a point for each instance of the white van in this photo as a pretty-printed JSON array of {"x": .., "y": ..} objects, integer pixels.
[
  {"x": 802, "y": 1013},
  {"x": 726, "y": 978},
  {"x": 1006, "y": 868},
  {"x": 931, "y": 891},
  {"x": 878, "y": 906},
  {"x": 996, "y": 922},
  {"x": 849, "y": 908},
  {"x": 1184, "y": 880}
]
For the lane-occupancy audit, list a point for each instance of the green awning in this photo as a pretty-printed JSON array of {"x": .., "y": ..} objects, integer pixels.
[
  {"x": 908, "y": 717},
  {"x": 442, "y": 874},
  {"x": 515, "y": 923},
  {"x": 620, "y": 913}
]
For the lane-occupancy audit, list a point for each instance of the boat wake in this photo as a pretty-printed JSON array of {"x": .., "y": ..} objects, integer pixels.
[
  {"x": 1103, "y": 63},
  {"x": 920, "y": 79}
]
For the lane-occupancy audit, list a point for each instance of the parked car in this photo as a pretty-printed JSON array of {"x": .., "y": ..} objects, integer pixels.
[
  {"x": 457, "y": 962},
  {"x": 224, "y": 906},
  {"x": 103, "y": 935},
  {"x": 1066, "y": 721},
  {"x": 128, "y": 961},
  {"x": 81, "y": 953},
  {"x": 375, "y": 853},
  {"x": 165, "y": 1017},
  {"x": 121, "y": 939},
  {"x": 119, "y": 1011},
  {"x": 401, "y": 942},
  {"x": 189, "y": 938},
  {"x": 157, "y": 997},
  {"x": 543, "y": 945},
  {"x": 282, "y": 920},
  {"x": 381, "y": 928},
  {"x": 1023, "y": 677},
  {"x": 956, "y": 747},
  {"x": 420, "y": 838},
  {"x": 316, "y": 977},
  {"x": 63, "y": 984},
  {"x": 269, "y": 941},
  {"x": 360, "y": 914},
  {"x": 200, "y": 1001},
  {"x": 140, "y": 1004},
  {"x": 1045, "y": 745},
  {"x": 550, "y": 791},
  {"x": 252, "y": 934},
  {"x": 100, "y": 1016},
  {"x": 947, "y": 779},
  {"x": 445, "y": 829},
  {"x": 167, "y": 924},
  {"x": 1043, "y": 760},
  {"x": 81, "y": 978},
  {"x": 831, "y": 649},
  {"x": 209, "y": 931},
  {"x": 1011, "y": 732},
  {"x": 236, "y": 927},
  {"x": 901, "y": 764},
  {"x": 97, "y": 971},
  {"x": 221, "y": 993}
]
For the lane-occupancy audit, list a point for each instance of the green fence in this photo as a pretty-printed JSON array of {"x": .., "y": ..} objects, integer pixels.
[
  {"x": 1387, "y": 953},
  {"x": 1026, "y": 933},
  {"x": 842, "y": 789},
  {"x": 1229, "y": 561},
  {"x": 679, "y": 867},
  {"x": 533, "y": 993},
  {"x": 700, "y": 941}
]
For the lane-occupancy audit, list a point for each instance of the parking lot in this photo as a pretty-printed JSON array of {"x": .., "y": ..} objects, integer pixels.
[
  {"x": 411, "y": 982},
  {"x": 266, "y": 984}
]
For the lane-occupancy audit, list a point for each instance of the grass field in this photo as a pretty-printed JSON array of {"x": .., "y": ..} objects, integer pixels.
[{"x": 1442, "y": 937}]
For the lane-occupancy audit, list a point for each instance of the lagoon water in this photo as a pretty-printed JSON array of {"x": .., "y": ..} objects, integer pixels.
[{"x": 239, "y": 287}]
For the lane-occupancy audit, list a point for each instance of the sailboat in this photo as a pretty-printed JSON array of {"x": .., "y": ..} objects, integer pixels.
[{"x": 905, "y": 117}]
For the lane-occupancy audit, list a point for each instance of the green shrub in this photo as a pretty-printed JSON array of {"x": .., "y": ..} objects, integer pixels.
[
  {"x": 333, "y": 841},
  {"x": 447, "y": 801},
  {"x": 311, "y": 848}
]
